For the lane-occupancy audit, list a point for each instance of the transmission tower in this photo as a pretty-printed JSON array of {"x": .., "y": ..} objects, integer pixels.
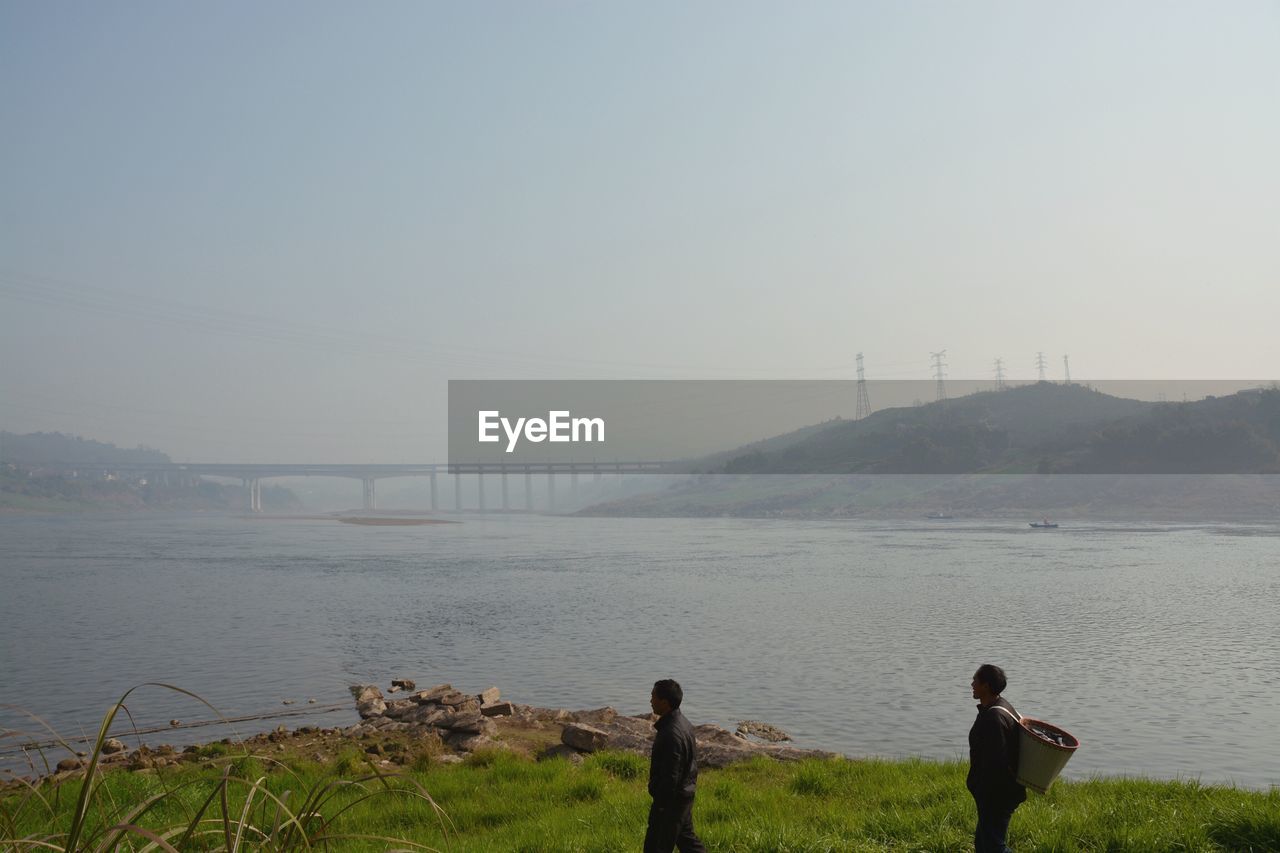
[
  {"x": 1066, "y": 367},
  {"x": 1041, "y": 364},
  {"x": 938, "y": 374},
  {"x": 999, "y": 374},
  {"x": 864, "y": 403}
]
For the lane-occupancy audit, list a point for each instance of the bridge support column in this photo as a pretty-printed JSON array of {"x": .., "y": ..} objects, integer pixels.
[
  {"x": 435, "y": 494},
  {"x": 255, "y": 495},
  {"x": 573, "y": 485},
  {"x": 528, "y": 490},
  {"x": 506, "y": 502},
  {"x": 551, "y": 491},
  {"x": 480, "y": 487},
  {"x": 457, "y": 492},
  {"x": 370, "y": 494}
]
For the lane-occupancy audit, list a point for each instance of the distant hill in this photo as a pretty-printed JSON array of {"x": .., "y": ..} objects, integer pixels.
[
  {"x": 1040, "y": 428},
  {"x": 39, "y": 448},
  {"x": 946, "y": 457},
  {"x": 1237, "y": 434},
  {"x": 37, "y": 474},
  {"x": 998, "y": 430}
]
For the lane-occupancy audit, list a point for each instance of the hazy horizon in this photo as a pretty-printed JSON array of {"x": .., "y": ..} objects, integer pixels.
[{"x": 242, "y": 233}]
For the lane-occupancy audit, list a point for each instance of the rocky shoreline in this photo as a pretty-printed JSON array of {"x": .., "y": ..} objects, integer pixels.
[
  {"x": 465, "y": 723},
  {"x": 406, "y": 726}
]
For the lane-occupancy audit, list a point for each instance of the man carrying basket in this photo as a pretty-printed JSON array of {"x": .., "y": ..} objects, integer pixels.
[{"x": 993, "y": 761}]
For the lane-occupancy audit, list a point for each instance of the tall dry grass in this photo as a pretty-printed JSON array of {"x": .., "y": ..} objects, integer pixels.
[{"x": 232, "y": 812}]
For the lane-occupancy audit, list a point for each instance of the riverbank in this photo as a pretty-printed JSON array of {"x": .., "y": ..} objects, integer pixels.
[
  {"x": 404, "y": 726},
  {"x": 1173, "y": 498},
  {"x": 451, "y": 770}
]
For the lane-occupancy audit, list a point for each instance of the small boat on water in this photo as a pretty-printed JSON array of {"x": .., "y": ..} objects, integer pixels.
[
  {"x": 1045, "y": 523},
  {"x": 936, "y": 516}
]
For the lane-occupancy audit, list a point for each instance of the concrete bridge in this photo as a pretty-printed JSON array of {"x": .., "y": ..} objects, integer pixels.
[{"x": 251, "y": 476}]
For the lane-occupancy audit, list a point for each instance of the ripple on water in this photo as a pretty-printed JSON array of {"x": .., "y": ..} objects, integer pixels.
[{"x": 855, "y": 637}]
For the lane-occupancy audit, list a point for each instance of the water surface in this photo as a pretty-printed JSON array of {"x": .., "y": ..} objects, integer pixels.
[{"x": 1156, "y": 645}]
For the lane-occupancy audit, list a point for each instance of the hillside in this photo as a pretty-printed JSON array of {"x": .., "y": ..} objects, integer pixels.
[
  {"x": 1237, "y": 434},
  {"x": 38, "y": 448},
  {"x": 1041, "y": 449},
  {"x": 1043, "y": 428},
  {"x": 29, "y": 483}
]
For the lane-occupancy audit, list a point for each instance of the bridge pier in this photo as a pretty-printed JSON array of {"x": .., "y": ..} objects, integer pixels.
[
  {"x": 551, "y": 491},
  {"x": 506, "y": 503},
  {"x": 435, "y": 495},
  {"x": 573, "y": 484},
  {"x": 457, "y": 492},
  {"x": 254, "y": 486},
  {"x": 370, "y": 495},
  {"x": 528, "y": 490},
  {"x": 480, "y": 487}
]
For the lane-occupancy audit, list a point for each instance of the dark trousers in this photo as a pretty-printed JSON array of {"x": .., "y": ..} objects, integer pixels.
[
  {"x": 993, "y": 826},
  {"x": 671, "y": 828}
]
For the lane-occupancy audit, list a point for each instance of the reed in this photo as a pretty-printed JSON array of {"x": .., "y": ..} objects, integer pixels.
[{"x": 178, "y": 810}]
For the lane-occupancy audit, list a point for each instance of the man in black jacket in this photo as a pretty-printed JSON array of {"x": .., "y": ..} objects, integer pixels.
[
  {"x": 993, "y": 761},
  {"x": 673, "y": 775}
]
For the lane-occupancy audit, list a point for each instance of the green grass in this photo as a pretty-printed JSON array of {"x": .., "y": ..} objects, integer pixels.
[{"x": 497, "y": 802}]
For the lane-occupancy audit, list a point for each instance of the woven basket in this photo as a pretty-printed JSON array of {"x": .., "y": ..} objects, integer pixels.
[{"x": 1040, "y": 761}]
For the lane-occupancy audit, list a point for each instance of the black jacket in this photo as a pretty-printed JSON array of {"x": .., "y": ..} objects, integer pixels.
[
  {"x": 993, "y": 757},
  {"x": 673, "y": 766}
]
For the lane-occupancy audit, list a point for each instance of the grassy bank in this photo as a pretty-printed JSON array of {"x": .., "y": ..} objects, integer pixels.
[{"x": 498, "y": 801}]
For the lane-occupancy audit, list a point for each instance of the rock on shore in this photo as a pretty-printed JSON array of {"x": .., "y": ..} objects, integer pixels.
[{"x": 467, "y": 722}]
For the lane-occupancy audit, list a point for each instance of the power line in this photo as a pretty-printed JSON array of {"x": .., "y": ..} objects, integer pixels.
[{"x": 1041, "y": 364}]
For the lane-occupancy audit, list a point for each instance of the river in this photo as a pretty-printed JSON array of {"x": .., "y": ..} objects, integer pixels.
[{"x": 1156, "y": 645}]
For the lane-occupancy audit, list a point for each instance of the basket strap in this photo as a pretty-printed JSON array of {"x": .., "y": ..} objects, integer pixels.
[{"x": 1017, "y": 718}]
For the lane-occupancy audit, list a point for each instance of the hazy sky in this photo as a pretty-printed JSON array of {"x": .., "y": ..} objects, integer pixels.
[{"x": 271, "y": 232}]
